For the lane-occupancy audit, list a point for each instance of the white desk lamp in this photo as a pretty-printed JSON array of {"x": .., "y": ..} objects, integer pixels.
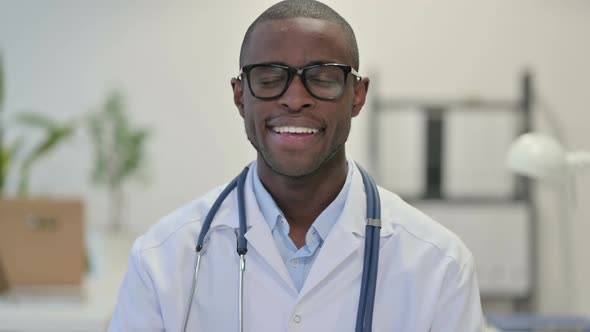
[{"x": 542, "y": 158}]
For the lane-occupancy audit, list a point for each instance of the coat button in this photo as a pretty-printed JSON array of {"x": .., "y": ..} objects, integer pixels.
[{"x": 297, "y": 319}]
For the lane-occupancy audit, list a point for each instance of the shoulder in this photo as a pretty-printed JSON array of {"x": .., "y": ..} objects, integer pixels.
[
  {"x": 180, "y": 222},
  {"x": 420, "y": 231}
]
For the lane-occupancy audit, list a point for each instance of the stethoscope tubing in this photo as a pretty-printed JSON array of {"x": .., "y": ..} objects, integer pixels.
[
  {"x": 201, "y": 239},
  {"x": 364, "y": 320},
  {"x": 242, "y": 247}
]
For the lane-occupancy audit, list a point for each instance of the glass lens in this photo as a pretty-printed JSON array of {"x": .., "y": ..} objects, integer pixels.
[
  {"x": 325, "y": 81},
  {"x": 268, "y": 81}
]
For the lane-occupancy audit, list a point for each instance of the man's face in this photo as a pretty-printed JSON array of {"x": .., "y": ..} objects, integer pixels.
[{"x": 296, "y": 133}]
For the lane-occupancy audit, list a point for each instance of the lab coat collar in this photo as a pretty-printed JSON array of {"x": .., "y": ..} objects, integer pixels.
[
  {"x": 354, "y": 215},
  {"x": 352, "y": 219}
]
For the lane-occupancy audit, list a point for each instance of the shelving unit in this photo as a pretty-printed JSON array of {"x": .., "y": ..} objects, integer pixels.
[{"x": 515, "y": 280}]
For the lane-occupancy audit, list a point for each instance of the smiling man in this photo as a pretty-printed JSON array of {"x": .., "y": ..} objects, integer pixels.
[
  {"x": 300, "y": 213},
  {"x": 297, "y": 93}
]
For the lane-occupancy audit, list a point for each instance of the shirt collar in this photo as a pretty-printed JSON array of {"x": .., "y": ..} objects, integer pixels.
[
  {"x": 323, "y": 223},
  {"x": 266, "y": 203}
]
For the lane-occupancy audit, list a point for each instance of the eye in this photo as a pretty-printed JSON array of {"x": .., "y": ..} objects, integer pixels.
[
  {"x": 323, "y": 82},
  {"x": 270, "y": 81},
  {"x": 324, "y": 76}
]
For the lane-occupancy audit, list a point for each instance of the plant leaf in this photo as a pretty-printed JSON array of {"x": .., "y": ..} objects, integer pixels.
[
  {"x": 53, "y": 136},
  {"x": 36, "y": 120},
  {"x": 4, "y": 157},
  {"x": 119, "y": 149}
]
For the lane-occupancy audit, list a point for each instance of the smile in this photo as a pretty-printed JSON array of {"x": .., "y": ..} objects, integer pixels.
[{"x": 294, "y": 130}]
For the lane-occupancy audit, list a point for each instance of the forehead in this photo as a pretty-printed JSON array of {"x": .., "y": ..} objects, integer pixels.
[{"x": 298, "y": 42}]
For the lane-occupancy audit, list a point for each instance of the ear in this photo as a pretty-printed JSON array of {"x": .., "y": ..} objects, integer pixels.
[
  {"x": 238, "y": 90},
  {"x": 360, "y": 95}
]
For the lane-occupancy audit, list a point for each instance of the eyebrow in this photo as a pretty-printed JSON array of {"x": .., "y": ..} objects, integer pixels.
[
  {"x": 312, "y": 63},
  {"x": 320, "y": 63}
]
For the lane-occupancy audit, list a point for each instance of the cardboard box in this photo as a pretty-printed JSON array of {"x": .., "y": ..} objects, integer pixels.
[{"x": 41, "y": 242}]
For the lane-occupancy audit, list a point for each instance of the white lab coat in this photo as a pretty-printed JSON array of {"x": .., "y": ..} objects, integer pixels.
[{"x": 426, "y": 280}]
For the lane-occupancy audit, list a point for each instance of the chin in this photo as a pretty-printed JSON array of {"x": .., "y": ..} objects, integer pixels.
[{"x": 293, "y": 168}]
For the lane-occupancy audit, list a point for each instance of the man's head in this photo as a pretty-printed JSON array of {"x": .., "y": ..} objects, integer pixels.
[
  {"x": 303, "y": 8},
  {"x": 298, "y": 121}
]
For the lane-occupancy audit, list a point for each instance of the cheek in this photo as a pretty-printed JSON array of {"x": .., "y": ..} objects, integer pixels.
[
  {"x": 344, "y": 121},
  {"x": 249, "y": 122},
  {"x": 253, "y": 120}
]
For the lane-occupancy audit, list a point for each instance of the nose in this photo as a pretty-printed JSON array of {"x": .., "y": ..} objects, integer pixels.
[{"x": 296, "y": 98}]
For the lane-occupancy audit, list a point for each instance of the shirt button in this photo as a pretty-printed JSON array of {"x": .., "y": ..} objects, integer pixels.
[
  {"x": 295, "y": 262},
  {"x": 297, "y": 319}
]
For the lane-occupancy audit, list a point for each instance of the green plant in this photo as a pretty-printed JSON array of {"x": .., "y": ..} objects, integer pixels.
[
  {"x": 5, "y": 153},
  {"x": 54, "y": 134},
  {"x": 119, "y": 150}
]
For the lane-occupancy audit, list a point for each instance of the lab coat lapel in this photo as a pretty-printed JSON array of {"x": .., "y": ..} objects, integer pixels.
[
  {"x": 341, "y": 242},
  {"x": 260, "y": 238},
  {"x": 339, "y": 246}
]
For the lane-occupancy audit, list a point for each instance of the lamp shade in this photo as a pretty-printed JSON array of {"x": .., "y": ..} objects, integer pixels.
[{"x": 538, "y": 156}]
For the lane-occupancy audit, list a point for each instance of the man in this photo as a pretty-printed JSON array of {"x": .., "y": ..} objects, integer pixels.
[{"x": 297, "y": 92}]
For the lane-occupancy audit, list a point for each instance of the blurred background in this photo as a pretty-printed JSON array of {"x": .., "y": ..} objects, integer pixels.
[{"x": 163, "y": 69}]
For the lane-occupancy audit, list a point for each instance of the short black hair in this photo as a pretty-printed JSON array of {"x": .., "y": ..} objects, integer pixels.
[{"x": 303, "y": 8}]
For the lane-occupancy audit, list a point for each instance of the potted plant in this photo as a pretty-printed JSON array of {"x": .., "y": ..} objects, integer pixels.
[
  {"x": 119, "y": 151},
  {"x": 41, "y": 238}
]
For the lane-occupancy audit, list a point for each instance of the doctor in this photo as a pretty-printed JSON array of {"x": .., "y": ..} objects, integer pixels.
[{"x": 297, "y": 92}]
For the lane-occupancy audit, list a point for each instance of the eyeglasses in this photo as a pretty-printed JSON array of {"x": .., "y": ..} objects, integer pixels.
[{"x": 323, "y": 81}]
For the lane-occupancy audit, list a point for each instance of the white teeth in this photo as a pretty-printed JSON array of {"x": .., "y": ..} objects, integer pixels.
[{"x": 295, "y": 130}]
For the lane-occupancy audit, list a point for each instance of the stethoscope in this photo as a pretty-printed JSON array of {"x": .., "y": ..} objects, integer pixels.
[{"x": 364, "y": 318}]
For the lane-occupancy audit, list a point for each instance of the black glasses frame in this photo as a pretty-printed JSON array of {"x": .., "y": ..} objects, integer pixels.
[{"x": 292, "y": 71}]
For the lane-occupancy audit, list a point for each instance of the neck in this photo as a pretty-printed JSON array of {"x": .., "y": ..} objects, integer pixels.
[{"x": 302, "y": 199}]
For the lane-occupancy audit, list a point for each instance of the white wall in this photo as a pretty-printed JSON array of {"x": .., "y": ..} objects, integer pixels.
[{"x": 174, "y": 59}]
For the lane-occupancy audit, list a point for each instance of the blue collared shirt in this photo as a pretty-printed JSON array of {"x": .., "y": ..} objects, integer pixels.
[{"x": 299, "y": 261}]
